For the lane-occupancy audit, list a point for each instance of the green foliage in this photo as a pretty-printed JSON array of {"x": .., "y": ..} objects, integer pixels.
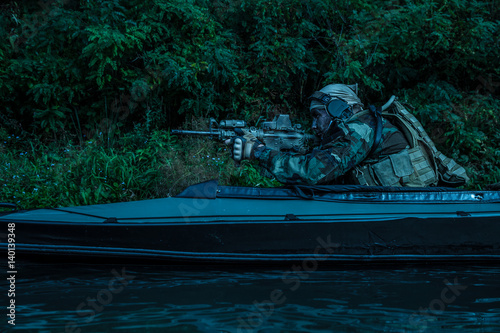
[
  {"x": 250, "y": 174},
  {"x": 69, "y": 175},
  {"x": 414, "y": 42},
  {"x": 250, "y": 58}
]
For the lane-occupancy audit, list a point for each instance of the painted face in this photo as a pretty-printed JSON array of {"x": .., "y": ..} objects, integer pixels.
[{"x": 321, "y": 120}]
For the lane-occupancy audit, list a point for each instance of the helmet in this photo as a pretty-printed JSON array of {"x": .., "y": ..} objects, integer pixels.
[{"x": 338, "y": 100}]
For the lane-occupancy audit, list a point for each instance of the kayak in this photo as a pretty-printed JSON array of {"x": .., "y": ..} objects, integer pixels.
[{"x": 212, "y": 224}]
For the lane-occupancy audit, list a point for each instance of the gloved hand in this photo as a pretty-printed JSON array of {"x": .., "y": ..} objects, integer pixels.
[{"x": 245, "y": 146}]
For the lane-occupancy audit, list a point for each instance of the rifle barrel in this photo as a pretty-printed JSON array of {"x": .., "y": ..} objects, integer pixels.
[{"x": 184, "y": 132}]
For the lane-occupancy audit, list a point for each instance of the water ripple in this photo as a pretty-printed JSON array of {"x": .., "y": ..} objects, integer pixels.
[{"x": 160, "y": 299}]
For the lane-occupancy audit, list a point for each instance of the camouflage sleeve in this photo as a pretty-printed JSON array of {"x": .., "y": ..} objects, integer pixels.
[{"x": 325, "y": 164}]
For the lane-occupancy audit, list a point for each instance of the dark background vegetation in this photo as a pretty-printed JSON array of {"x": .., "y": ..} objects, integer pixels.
[{"x": 90, "y": 89}]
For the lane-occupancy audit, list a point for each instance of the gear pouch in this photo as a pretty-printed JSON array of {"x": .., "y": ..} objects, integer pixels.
[{"x": 390, "y": 170}]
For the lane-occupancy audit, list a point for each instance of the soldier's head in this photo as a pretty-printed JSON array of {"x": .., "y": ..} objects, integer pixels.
[{"x": 333, "y": 102}]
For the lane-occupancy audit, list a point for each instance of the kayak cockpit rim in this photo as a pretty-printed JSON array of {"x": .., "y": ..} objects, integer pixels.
[{"x": 358, "y": 193}]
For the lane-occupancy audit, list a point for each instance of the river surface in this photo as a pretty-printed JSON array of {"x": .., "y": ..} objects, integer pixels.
[{"x": 121, "y": 298}]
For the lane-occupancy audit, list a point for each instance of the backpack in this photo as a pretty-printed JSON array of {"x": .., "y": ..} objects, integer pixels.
[
  {"x": 421, "y": 146},
  {"x": 421, "y": 165}
]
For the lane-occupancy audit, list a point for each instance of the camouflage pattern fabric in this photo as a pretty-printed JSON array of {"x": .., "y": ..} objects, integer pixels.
[{"x": 344, "y": 146}]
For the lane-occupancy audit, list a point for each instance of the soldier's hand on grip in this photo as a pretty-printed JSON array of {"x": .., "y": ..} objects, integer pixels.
[{"x": 244, "y": 146}]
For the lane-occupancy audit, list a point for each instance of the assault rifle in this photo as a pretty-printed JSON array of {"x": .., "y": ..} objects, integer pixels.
[{"x": 277, "y": 134}]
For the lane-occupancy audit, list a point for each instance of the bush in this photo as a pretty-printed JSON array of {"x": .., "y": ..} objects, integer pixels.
[{"x": 70, "y": 175}]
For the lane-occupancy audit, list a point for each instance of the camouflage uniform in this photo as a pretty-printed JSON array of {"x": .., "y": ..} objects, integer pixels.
[{"x": 344, "y": 146}]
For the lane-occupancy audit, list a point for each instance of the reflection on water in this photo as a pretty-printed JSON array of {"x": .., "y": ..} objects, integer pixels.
[{"x": 83, "y": 298}]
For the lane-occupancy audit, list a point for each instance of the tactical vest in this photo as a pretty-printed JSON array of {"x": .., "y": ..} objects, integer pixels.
[{"x": 420, "y": 165}]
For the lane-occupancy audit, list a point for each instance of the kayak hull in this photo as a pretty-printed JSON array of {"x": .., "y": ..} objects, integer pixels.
[{"x": 235, "y": 229}]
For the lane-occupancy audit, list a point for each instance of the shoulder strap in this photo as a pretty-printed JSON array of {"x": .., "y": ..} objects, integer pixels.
[{"x": 377, "y": 112}]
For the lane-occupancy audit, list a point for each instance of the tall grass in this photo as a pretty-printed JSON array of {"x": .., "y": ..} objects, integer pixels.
[{"x": 139, "y": 166}]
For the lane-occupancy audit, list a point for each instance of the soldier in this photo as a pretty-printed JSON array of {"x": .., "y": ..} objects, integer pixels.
[{"x": 356, "y": 147}]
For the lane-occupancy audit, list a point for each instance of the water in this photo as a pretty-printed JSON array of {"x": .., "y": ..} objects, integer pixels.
[{"x": 102, "y": 298}]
